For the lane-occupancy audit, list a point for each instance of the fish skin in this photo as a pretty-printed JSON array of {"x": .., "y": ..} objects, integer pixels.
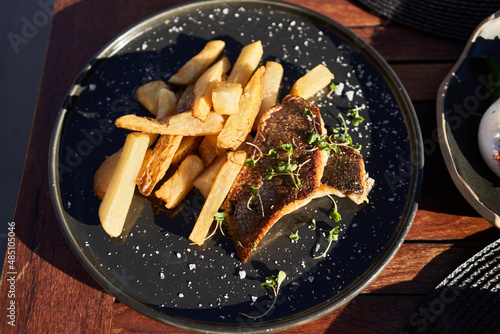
[
  {"x": 248, "y": 221},
  {"x": 345, "y": 176}
]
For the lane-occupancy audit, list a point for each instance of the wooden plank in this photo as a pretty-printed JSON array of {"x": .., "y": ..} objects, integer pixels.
[
  {"x": 345, "y": 12},
  {"x": 389, "y": 313},
  {"x": 435, "y": 225},
  {"x": 418, "y": 268},
  {"x": 401, "y": 44},
  {"x": 422, "y": 80}
]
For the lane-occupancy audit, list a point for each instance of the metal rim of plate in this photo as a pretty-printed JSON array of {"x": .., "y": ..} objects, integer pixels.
[
  {"x": 348, "y": 293},
  {"x": 459, "y": 181}
]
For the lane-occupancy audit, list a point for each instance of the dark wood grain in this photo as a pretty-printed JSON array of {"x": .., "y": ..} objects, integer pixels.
[{"x": 54, "y": 294}]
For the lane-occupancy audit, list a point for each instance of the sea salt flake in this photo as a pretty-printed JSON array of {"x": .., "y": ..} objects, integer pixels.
[{"x": 242, "y": 274}]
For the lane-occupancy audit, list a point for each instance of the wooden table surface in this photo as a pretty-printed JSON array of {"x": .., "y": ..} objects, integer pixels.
[{"x": 54, "y": 293}]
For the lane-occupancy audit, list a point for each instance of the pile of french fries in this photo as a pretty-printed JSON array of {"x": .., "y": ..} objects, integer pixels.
[{"x": 200, "y": 129}]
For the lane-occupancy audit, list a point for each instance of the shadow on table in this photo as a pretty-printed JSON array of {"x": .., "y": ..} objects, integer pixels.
[
  {"x": 36, "y": 224},
  {"x": 419, "y": 305}
]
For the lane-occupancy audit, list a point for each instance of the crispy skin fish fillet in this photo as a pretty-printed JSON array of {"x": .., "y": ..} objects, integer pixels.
[
  {"x": 345, "y": 175},
  {"x": 251, "y": 214}
]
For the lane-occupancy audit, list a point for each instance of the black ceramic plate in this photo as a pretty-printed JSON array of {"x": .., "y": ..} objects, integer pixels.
[
  {"x": 464, "y": 95},
  {"x": 155, "y": 270}
]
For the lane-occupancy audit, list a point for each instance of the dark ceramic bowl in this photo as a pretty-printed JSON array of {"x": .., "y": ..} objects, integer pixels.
[{"x": 464, "y": 95}]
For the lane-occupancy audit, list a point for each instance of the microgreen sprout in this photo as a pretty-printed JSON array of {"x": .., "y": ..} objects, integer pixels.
[
  {"x": 308, "y": 113},
  {"x": 356, "y": 118},
  {"x": 294, "y": 236},
  {"x": 273, "y": 154},
  {"x": 334, "y": 232},
  {"x": 312, "y": 224},
  {"x": 251, "y": 161},
  {"x": 255, "y": 193},
  {"x": 334, "y": 215},
  {"x": 331, "y": 143},
  {"x": 286, "y": 167},
  {"x": 332, "y": 86},
  {"x": 219, "y": 221},
  {"x": 333, "y": 235},
  {"x": 274, "y": 284},
  {"x": 251, "y": 246}
]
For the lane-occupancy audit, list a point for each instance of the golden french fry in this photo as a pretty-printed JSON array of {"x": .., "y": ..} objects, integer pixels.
[
  {"x": 208, "y": 149},
  {"x": 205, "y": 180},
  {"x": 116, "y": 202},
  {"x": 148, "y": 95},
  {"x": 184, "y": 124},
  {"x": 157, "y": 164},
  {"x": 193, "y": 68},
  {"x": 272, "y": 83},
  {"x": 167, "y": 101},
  {"x": 188, "y": 146},
  {"x": 312, "y": 82},
  {"x": 238, "y": 126},
  {"x": 218, "y": 192},
  {"x": 104, "y": 173},
  {"x": 204, "y": 86},
  {"x": 180, "y": 184},
  {"x": 226, "y": 97},
  {"x": 246, "y": 63}
]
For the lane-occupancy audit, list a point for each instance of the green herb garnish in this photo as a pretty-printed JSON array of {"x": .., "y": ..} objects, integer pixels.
[
  {"x": 334, "y": 215},
  {"x": 312, "y": 225},
  {"x": 333, "y": 235},
  {"x": 356, "y": 118},
  {"x": 255, "y": 193},
  {"x": 219, "y": 218},
  {"x": 286, "y": 167},
  {"x": 274, "y": 284},
  {"x": 308, "y": 113},
  {"x": 294, "y": 236}
]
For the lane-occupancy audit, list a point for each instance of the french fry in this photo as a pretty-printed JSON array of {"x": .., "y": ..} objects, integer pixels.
[
  {"x": 208, "y": 149},
  {"x": 188, "y": 146},
  {"x": 167, "y": 101},
  {"x": 272, "y": 83},
  {"x": 205, "y": 180},
  {"x": 148, "y": 95},
  {"x": 226, "y": 97},
  {"x": 183, "y": 124},
  {"x": 238, "y": 126},
  {"x": 180, "y": 184},
  {"x": 312, "y": 82},
  {"x": 193, "y": 68},
  {"x": 218, "y": 192},
  {"x": 104, "y": 173},
  {"x": 116, "y": 202},
  {"x": 157, "y": 164},
  {"x": 204, "y": 86},
  {"x": 246, "y": 63}
]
